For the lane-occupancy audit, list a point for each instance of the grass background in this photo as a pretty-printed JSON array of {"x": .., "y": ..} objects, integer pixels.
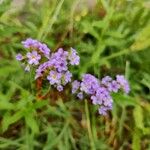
[{"x": 112, "y": 37}]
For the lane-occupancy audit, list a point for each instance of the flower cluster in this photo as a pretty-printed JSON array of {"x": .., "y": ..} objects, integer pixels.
[
  {"x": 54, "y": 67},
  {"x": 50, "y": 66},
  {"x": 100, "y": 91},
  {"x": 41, "y": 48},
  {"x": 37, "y": 51}
]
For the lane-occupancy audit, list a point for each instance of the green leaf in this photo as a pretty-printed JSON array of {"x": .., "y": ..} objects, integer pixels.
[
  {"x": 4, "y": 105},
  {"x": 90, "y": 29},
  {"x": 136, "y": 140},
  {"x": 58, "y": 138},
  {"x": 31, "y": 123},
  {"x": 146, "y": 131},
  {"x": 39, "y": 104},
  {"x": 124, "y": 100},
  {"x": 99, "y": 24},
  {"x": 138, "y": 117},
  {"x": 4, "y": 101},
  {"x": 9, "y": 119},
  {"x": 146, "y": 80},
  {"x": 4, "y": 6},
  {"x": 142, "y": 40}
]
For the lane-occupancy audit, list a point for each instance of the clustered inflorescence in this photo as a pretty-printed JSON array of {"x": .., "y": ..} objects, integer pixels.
[
  {"x": 54, "y": 68},
  {"x": 51, "y": 66},
  {"x": 100, "y": 91}
]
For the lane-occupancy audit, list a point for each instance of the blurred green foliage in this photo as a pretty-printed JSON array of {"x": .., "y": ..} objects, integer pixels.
[{"x": 112, "y": 37}]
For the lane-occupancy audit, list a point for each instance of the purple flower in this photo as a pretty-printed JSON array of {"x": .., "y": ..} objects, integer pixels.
[
  {"x": 73, "y": 57},
  {"x": 42, "y": 68},
  {"x": 54, "y": 77},
  {"x": 30, "y": 43},
  {"x": 75, "y": 86},
  {"x": 60, "y": 88},
  {"x": 95, "y": 100},
  {"x": 100, "y": 92},
  {"x": 103, "y": 110},
  {"x": 33, "y": 57},
  {"x": 57, "y": 73},
  {"x": 19, "y": 57},
  {"x": 44, "y": 49},
  {"x": 106, "y": 80},
  {"x": 80, "y": 95},
  {"x": 113, "y": 86},
  {"x": 108, "y": 101},
  {"x": 61, "y": 66},
  {"x": 103, "y": 96},
  {"x": 126, "y": 88},
  {"x": 59, "y": 60},
  {"x": 89, "y": 84},
  {"x": 67, "y": 77},
  {"x": 37, "y": 46},
  {"x": 123, "y": 83}
]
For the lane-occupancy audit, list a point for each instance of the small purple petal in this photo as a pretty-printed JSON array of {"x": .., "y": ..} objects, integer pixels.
[
  {"x": 60, "y": 88},
  {"x": 89, "y": 84},
  {"x": 123, "y": 83},
  {"x": 54, "y": 77},
  {"x": 113, "y": 86},
  {"x": 80, "y": 95},
  {"x": 19, "y": 57},
  {"x": 75, "y": 86},
  {"x": 73, "y": 57},
  {"x": 67, "y": 77},
  {"x": 36, "y": 45},
  {"x": 106, "y": 80},
  {"x": 33, "y": 57}
]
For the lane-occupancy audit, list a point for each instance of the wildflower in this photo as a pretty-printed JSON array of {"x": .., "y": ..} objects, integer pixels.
[
  {"x": 57, "y": 65},
  {"x": 42, "y": 69},
  {"x": 95, "y": 100},
  {"x": 113, "y": 86},
  {"x": 56, "y": 70},
  {"x": 80, "y": 95},
  {"x": 19, "y": 57},
  {"x": 73, "y": 57},
  {"x": 102, "y": 94},
  {"x": 54, "y": 77},
  {"x": 67, "y": 77},
  {"x": 59, "y": 60},
  {"x": 60, "y": 88},
  {"x": 37, "y": 46},
  {"x": 33, "y": 57},
  {"x": 100, "y": 91},
  {"x": 123, "y": 83},
  {"x": 44, "y": 49},
  {"x": 102, "y": 97},
  {"x": 89, "y": 84},
  {"x": 106, "y": 80},
  {"x": 103, "y": 110},
  {"x": 30, "y": 43},
  {"x": 75, "y": 86}
]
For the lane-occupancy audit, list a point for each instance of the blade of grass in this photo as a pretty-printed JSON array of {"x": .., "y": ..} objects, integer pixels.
[
  {"x": 48, "y": 23},
  {"x": 57, "y": 139},
  {"x": 89, "y": 126},
  {"x": 121, "y": 122}
]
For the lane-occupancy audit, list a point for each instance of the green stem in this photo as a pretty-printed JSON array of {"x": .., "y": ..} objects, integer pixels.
[
  {"x": 125, "y": 51},
  {"x": 89, "y": 126}
]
